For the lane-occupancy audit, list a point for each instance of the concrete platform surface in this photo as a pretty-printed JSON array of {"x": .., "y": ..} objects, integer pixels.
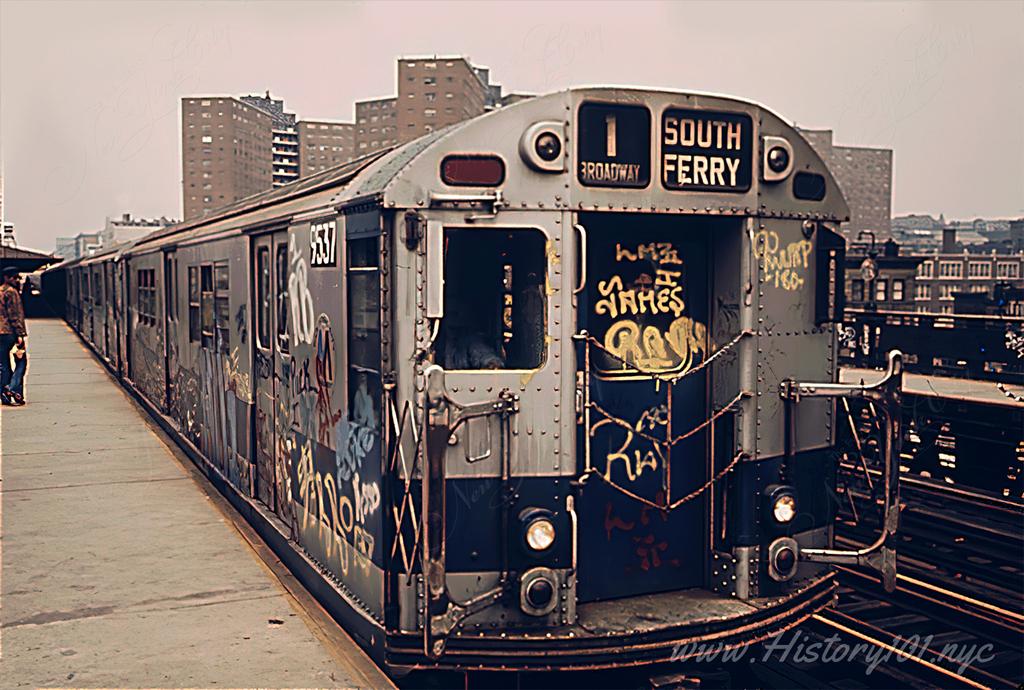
[{"x": 121, "y": 567}]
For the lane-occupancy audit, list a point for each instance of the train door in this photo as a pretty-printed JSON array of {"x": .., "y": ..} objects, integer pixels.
[
  {"x": 170, "y": 331},
  {"x": 108, "y": 305},
  {"x": 643, "y": 433},
  {"x": 119, "y": 315},
  {"x": 270, "y": 347}
]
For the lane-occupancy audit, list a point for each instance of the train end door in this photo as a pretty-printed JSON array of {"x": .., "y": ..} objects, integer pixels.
[{"x": 644, "y": 440}]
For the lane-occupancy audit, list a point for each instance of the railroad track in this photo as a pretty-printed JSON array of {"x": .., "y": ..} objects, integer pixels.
[
  {"x": 961, "y": 538},
  {"x": 919, "y": 636},
  {"x": 954, "y": 618}
]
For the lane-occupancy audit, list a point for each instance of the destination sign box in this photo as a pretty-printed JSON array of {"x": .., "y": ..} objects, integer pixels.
[
  {"x": 704, "y": 151},
  {"x": 613, "y": 148}
]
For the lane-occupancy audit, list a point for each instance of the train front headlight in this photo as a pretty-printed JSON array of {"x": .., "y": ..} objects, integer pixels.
[
  {"x": 540, "y": 534},
  {"x": 780, "y": 500},
  {"x": 784, "y": 508}
]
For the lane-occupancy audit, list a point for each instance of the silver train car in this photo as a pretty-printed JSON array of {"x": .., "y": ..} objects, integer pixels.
[{"x": 552, "y": 388}]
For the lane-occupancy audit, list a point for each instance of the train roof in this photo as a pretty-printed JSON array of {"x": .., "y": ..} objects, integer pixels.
[{"x": 406, "y": 176}]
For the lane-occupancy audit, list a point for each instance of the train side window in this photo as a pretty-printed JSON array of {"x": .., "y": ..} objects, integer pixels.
[
  {"x": 194, "y": 322},
  {"x": 221, "y": 306},
  {"x": 263, "y": 297},
  {"x": 206, "y": 302},
  {"x": 281, "y": 272},
  {"x": 495, "y": 300}
]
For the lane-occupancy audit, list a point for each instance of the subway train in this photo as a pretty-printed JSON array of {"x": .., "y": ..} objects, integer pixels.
[{"x": 552, "y": 388}]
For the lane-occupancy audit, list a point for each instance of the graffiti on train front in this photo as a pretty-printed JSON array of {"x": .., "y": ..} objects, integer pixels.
[
  {"x": 642, "y": 299},
  {"x": 631, "y": 450},
  {"x": 783, "y": 266}
]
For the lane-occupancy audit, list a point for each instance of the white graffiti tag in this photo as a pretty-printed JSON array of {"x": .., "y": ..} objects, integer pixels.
[
  {"x": 367, "y": 498},
  {"x": 303, "y": 317}
]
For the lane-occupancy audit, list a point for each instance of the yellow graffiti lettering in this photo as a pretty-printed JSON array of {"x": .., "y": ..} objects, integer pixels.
[
  {"x": 618, "y": 300},
  {"x": 783, "y": 267},
  {"x": 676, "y": 350},
  {"x": 660, "y": 252},
  {"x": 634, "y": 463}
]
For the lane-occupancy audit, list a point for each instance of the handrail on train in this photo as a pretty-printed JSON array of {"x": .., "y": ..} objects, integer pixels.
[{"x": 880, "y": 556}]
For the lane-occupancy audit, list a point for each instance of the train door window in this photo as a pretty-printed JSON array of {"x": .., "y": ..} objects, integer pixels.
[
  {"x": 172, "y": 289},
  {"x": 194, "y": 321},
  {"x": 263, "y": 297},
  {"x": 146, "y": 304},
  {"x": 364, "y": 339},
  {"x": 495, "y": 301},
  {"x": 221, "y": 306},
  {"x": 281, "y": 272},
  {"x": 206, "y": 303}
]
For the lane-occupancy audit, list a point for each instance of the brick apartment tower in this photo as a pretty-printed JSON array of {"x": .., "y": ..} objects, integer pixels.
[
  {"x": 225, "y": 152},
  {"x": 376, "y": 125},
  {"x": 865, "y": 177},
  {"x": 324, "y": 144},
  {"x": 433, "y": 92}
]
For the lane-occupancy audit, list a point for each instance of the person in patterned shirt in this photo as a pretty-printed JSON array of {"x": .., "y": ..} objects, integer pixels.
[{"x": 12, "y": 333}]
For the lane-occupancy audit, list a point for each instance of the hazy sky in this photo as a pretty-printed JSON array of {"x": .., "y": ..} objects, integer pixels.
[{"x": 89, "y": 92}]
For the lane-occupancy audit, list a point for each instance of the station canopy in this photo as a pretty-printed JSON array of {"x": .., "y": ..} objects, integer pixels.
[{"x": 25, "y": 260}]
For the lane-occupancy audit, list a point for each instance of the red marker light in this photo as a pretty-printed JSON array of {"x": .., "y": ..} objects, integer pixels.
[{"x": 472, "y": 171}]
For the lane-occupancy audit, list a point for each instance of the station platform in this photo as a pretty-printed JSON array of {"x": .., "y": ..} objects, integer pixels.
[{"x": 122, "y": 567}]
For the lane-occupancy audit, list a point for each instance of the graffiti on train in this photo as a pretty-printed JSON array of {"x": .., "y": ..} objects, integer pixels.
[
  {"x": 337, "y": 513},
  {"x": 301, "y": 300},
  {"x": 643, "y": 300},
  {"x": 783, "y": 267},
  {"x": 358, "y": 434},
  {"x": 323, "y": 349},
  {"x": 632, "y": 450}
]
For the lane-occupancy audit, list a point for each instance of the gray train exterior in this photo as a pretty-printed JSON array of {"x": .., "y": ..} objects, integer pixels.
[{"x": 518, "y": 394}]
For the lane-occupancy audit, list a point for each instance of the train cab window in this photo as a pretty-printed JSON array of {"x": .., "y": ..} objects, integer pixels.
[
  {"x": 263, "y": 297},
  {"x": 194, "y": 322},
  {"x": 281, "y": 272},
  {"x": 494, "y": 300},
  {"x": 221, "y": 307},
  {"x": 206, "y": 303}
]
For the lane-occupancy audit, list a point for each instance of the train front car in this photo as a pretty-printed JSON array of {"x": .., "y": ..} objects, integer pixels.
[{"x": 602, "y": 308}]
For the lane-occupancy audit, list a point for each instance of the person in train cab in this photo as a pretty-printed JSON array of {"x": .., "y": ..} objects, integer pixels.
[
  {"x": 472, "y": 350},
  {"x": 12, "y": 333}
]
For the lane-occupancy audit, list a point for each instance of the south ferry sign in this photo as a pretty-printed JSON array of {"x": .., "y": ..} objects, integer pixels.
[{"x": 703, "y": 151}]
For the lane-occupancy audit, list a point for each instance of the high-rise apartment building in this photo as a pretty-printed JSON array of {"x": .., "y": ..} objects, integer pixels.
[
  {"x": 865, "y": 177},
  {"x": 433, "y": 92},
  {"x": 236, "y": 147},
  {"x": 284, "y": 138},
  {"x": 436, "y": 92},
  {"x": 376, "y": 125},
  {"x": 226, "y": 152},
  {"x": 324, "y": 144}
]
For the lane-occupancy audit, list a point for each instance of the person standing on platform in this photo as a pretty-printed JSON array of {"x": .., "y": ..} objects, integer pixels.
[{"x": 12, "y": 336}]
